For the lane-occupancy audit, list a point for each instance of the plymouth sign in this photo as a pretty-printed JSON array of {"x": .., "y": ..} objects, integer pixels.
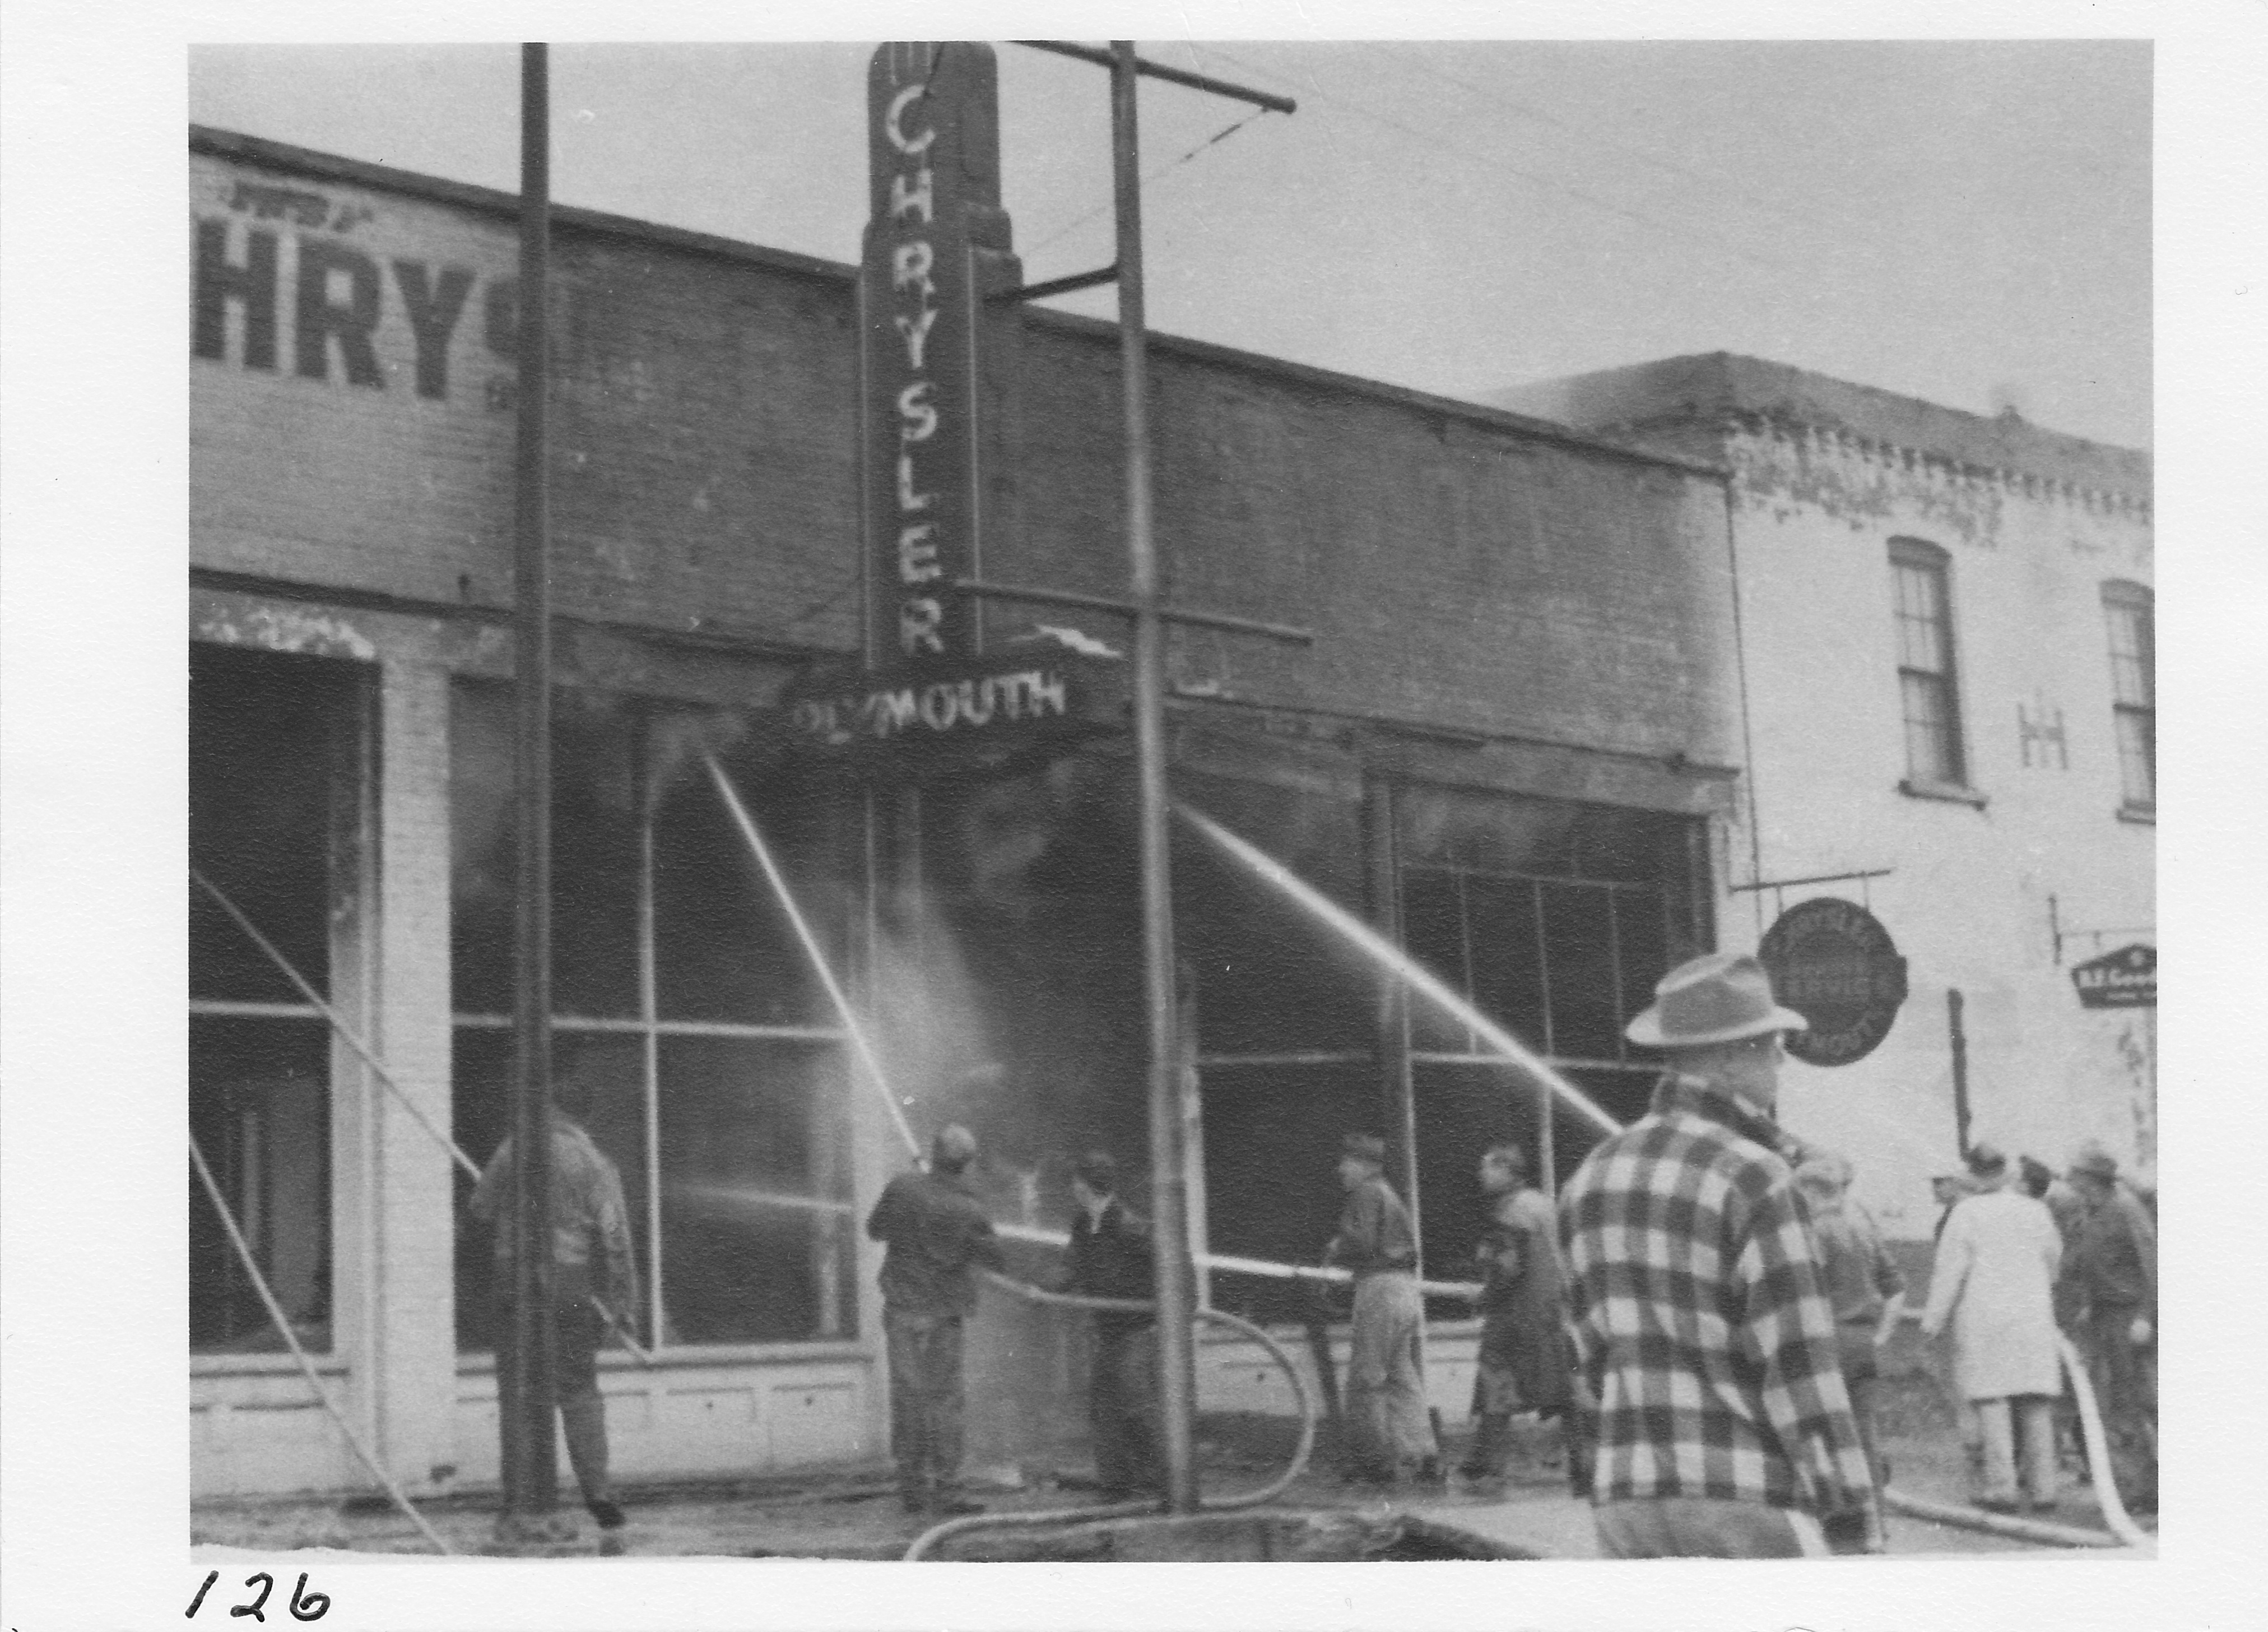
[
  {"x": 1833, "y": 963},
  {"x": 976, "y": 715}
]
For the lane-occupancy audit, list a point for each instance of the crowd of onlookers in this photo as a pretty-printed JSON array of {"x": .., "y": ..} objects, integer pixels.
[
  {"x": 1726, "y": 1305},
  {"x": 2023, "y": 1255}
]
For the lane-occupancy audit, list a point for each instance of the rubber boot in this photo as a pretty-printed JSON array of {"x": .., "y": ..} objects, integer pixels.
[
  {"x": 1491, "y": 1439},
  {"x": 585, "y": 1422}
]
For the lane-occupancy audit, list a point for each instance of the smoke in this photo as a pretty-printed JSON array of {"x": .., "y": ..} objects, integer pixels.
[{"x": 676, "y": 744}]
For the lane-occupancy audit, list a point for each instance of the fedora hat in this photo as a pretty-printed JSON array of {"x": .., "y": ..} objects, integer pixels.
[
  {"x": 2092, "y": 1158},
  {"x": 1986, "y": 1161},
  {"x": 1720, "y": 998}
]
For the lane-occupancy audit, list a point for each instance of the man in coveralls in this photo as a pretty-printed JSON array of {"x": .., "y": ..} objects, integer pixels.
[
  {"x": 2111, "y": 1277},
  {"x": 1523, "y": 1358},
  {"x": 594, "y": 1271},
  {"x": 936, "y": 1234},
  {"x": 1111, "y": 1257},
  {"x": 1391, "y": 1433}
]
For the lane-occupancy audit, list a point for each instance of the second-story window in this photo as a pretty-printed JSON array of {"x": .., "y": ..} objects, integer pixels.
[
  {"x": 1929, "y": 694},
  {"x": 2128, "y": 609}
]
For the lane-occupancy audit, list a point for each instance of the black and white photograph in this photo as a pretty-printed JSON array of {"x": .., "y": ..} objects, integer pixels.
[{"x": 1330, "y": 794}]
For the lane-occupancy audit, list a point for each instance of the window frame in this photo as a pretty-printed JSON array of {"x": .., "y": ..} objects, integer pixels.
[
  {"x": 1955, "y": 778},
  {"x": 350, "y": 841},
  {"x": 2123, "y": 596},
  {"x": 842, "y": 1320}
]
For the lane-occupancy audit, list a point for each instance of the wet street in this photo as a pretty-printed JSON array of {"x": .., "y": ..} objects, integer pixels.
[{"x": 855, "y": 1515}]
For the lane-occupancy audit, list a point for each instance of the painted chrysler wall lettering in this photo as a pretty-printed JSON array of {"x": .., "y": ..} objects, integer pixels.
[{"x": 271, "y": 276}]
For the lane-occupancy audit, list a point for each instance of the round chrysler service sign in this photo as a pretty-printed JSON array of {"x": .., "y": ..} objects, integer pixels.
[{"x": 1833, "y": 963}]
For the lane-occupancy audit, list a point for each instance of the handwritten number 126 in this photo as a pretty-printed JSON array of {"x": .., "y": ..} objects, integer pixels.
[{"x": 306, "y": 1605}]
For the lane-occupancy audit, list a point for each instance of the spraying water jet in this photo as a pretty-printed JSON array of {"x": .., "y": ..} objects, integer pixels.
[
  {"x": 1391, "y": 959},
  {"x": 856, "y": 1032}
]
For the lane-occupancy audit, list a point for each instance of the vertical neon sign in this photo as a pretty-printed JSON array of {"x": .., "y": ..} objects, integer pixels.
[{"x": 937, "y": 242}]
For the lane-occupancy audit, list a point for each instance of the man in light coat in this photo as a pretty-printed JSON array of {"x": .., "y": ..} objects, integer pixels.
[{"x": 1993, "y": 1282}]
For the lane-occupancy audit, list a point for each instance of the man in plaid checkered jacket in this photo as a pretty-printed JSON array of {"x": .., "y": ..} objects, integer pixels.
[{"x": 1702, "y": 1329}]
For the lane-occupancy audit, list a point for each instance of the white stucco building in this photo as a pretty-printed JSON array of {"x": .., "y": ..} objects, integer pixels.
[{"x": 1946, "y": 636}]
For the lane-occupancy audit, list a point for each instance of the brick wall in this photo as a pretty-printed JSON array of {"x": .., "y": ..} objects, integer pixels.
[{"x": 1457, "y": 566}]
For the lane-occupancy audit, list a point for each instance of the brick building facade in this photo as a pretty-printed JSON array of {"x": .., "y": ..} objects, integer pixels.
[{"x": 1515, "y": 743}]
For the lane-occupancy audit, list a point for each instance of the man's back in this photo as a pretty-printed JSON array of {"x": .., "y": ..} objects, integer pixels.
[
  {"x": 1374, "y": 1231},
  {"x": 1855, "y": 1268},
  {"x": 2114, "y": 1254},
  {"x": 590, "y": 1223},
  {"x": 934, "y": 1230},
  {"x": 1700, "y": 1320}
]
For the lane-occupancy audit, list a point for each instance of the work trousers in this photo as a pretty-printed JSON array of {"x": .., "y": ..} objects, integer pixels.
[
  {"x": 2123, "y": 1376},
  {"x": 925, "y": 1356},
  {"x": 2029, "y": 1419},
  {"x": 1123, "y": 1412},
  {"x": 1704, "y": 1527},
  {"x": 1965, "y": 1425},
  {"x": 1862, "y": 1381},
  {"x": 1385, "y": 1413},
  {"x": 577, "y": 1330}
]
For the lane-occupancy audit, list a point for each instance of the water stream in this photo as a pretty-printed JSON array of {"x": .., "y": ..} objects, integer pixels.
[
  {"x": 1391, "y": 959},
  {"x": 854, "y": 1031}
]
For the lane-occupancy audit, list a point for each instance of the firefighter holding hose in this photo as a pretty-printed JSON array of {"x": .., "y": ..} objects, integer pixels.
[
  {"x": 1386, "y": 1420},
  {"x": 594, "y": 1270},
  {"x": 937, "y": 1235}
]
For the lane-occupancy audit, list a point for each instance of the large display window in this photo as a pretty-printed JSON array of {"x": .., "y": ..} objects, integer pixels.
[
  {"x": 1556, "y": 919},
  {"x": 278, "y": 784},
  {"x": 681, "y": 994}
]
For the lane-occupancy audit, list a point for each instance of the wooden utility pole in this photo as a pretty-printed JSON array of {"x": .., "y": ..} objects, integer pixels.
[
  {"x": 1168, "y": 1176},
  {"x": 525, "y": 1384}
]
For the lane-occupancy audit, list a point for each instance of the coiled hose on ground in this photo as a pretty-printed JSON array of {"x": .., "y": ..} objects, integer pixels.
[
  {"x": 924, "y": 1544},
  {"x": 2123, "y": 1527}
]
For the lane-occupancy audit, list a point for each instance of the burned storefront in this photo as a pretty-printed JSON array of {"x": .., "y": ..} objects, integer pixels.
[{"x": 1511, "y": 745}]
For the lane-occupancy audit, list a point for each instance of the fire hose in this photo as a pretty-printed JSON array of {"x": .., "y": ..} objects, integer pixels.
[
  {"x": 2123, "y": 1528},
  {"x": 346, "y": 1034},
  {"x": 931, "y": 1539},
  {"x": 308, "y": 1366},
  {"x": 2121, "y": 1525}
]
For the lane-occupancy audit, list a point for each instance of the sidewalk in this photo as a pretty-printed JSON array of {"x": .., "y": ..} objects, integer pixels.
[{"x": 854, "y": 1514}]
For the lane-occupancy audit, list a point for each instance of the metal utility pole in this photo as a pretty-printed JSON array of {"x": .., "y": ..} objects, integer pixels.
[
  {"x": 1168, "y": 1182},
  {"x": 526, "y": 1395}
]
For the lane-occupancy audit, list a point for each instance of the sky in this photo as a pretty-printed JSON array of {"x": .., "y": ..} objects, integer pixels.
[{"x": 1968, "y": 221}]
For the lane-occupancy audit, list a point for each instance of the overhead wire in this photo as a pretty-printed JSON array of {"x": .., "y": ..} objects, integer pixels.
[
  {"x": 1496, "y": 165},
  {"x": 1527, "y": 111},
  {"x": 1150, "y": 178}
]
